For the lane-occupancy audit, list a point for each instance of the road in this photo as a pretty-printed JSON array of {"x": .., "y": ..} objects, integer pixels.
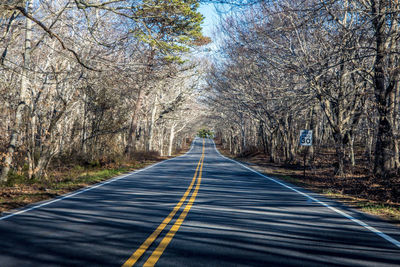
[{"x": 200, "y": 209}]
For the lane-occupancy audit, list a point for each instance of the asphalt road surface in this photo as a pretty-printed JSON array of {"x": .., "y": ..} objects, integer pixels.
[{"x": 200, "y": 209}]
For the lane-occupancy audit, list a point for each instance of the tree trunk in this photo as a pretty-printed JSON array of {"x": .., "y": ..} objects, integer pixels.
[
  {"x": 339, "y": 145},
  {"x": 32, "y": 146},
  {"x": 40, "y": 170},
  {"x": 151, "y": 126},
  {"x": 31, "y": 165},
  {"x": 171, "y": 139},
  {"x": 23, "y": 97},
  {"x": 47, "y": 153},
  {"x": 396, "y": 154},
  {"x": 370, "y": 135},
  {"x": 262, "y": 135},
  {"x": 384, "y": 139},
  {"x": 271, "y": 151},
  {"x": 383, "y": 147},
  {"x": 84, "y": 130},
  {"x": 396, "y": 126},
  {"x": 243, "y": 137},
  {"x": 352, "y": 158},
  {"x": 231, "y": 142},
  {"x": 161, "y": 142}
]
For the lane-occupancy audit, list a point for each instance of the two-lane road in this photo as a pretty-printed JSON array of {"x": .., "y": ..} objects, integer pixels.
[{"x": 200, "y": 209}]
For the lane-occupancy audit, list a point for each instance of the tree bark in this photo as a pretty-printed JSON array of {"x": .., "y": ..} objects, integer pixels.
[
  {"x": 243, "y": 136},
  {"x": 384, "y": 139},
  {"x": 151, "y": 126},
  {"x": 395, "y": 127},
  {"x": 161, "y": 142},
  {"x": 23, "y": 97},
  {"x": 352, "y": 157},
  {"x": 339, "y": 145},
  {"x": 171, "y": 139}
]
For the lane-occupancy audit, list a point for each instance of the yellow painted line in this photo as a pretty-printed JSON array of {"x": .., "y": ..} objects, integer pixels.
[
  {"x": 147, "y": 243},
  {"x": 155, "y": 256}
]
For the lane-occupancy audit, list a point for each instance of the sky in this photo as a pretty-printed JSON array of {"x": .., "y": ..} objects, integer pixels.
[{"x": 211, "y": 18}]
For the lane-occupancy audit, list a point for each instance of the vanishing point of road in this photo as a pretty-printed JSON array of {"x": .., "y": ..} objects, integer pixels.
[{"x": 199, "y": 209}]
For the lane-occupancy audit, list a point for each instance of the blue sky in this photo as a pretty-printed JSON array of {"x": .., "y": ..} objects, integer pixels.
[{"x": 211, "y": 18}]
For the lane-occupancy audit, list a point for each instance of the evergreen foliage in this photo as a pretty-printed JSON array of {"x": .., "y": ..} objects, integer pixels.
[
  {"x": 171, "y": 26},
  {"x": 205, "y": 133}
]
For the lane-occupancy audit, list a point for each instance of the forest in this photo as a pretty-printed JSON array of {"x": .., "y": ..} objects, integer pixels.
[
  {"x": 93, "y": 81},
  {"x": 96, "y": 81},
  {"x": 327, "y": 66}
]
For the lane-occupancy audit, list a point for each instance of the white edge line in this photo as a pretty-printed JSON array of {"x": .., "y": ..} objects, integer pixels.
[
  {"x": 363, "y": 224},
  {"x": 69, "y": 195}
]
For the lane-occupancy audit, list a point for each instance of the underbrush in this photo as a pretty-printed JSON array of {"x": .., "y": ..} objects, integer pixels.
[
  {"x": 143, "y": 156},
  {"x": 249, "y": 152}
]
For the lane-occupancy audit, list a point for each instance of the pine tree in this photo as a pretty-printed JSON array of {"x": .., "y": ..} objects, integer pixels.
[{"x": 169, "y": 26}]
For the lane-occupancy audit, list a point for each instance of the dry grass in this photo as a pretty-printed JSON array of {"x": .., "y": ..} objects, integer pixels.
[{"x": 390, "y": 212}]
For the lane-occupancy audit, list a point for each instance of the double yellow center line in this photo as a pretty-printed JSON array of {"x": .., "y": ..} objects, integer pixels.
[{"x": 152, "y": 260}]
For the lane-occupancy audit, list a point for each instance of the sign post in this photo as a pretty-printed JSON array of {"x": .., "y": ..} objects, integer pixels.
[{"x": 305, "y": 140}]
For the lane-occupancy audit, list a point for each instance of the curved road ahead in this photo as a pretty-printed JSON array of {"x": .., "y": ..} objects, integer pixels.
[{"x": 200, "y": 209}]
